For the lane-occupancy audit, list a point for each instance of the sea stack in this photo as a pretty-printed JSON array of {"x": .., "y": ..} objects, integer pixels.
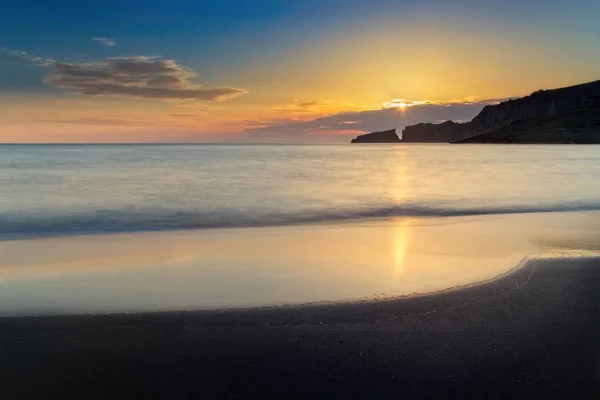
[{"x": 378, "y": 137}]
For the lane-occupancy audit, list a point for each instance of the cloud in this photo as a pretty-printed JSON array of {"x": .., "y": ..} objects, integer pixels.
[
  {"x": 263, "y": 122},
  {"x": 298, "y": 106},
  {"x": 310, "y": 106},
  {"x": 106, "y": 121},
  {"x": 134, "y": 77},
  {"x": 105, "y": 41},
  {"x": 487, "y": 102},
  {"x": 341, "y": 125},
  {"x": 136, "y": 58},
  {"x": 23, "y": 55}
]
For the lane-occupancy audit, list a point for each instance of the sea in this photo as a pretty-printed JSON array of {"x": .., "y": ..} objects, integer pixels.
[{"x": 129, "y": 228}]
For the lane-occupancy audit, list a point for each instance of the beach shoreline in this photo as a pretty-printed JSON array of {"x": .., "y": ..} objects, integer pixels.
[{"x": 530, "y": 333}]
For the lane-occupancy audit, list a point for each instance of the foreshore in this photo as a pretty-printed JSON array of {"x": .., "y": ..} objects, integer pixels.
[{"x": 532, "y": 333}]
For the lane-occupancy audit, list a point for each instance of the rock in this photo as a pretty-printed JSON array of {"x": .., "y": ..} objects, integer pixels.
[
  {"x": 540, "y": 104},
  {"x": 582, "y": 127},
  {"x": 435, "y": 133},
  {"x": 378, "y": 137}
]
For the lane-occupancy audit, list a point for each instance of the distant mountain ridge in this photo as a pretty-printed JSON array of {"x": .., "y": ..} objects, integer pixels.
[{"x": 539, "y": 105}]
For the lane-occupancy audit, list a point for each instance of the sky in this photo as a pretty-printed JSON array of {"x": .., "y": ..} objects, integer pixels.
[{"x": 91, "y": 71}]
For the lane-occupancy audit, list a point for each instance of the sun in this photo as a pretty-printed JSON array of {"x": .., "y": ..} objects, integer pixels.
[
  {"x": 402, "y": 105},
  {"x": 397, "y": 103}
]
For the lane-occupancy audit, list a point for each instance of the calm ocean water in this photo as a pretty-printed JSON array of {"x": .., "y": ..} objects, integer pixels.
[
  {"x": 418, "y": 218},
  {"x": 69, "y": 189}
]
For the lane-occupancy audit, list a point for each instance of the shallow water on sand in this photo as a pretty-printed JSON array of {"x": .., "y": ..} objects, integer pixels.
[{"x": 189, "y": 270}]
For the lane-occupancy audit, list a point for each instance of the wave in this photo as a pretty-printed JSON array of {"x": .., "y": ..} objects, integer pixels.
[{"x": 29, "y": 225}]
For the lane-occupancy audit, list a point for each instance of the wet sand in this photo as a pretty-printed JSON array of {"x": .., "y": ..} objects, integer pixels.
[{"x": 534, "y": 333}]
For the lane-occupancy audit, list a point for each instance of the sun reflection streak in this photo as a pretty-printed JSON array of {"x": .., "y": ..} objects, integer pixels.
[
  {"x": 400, "y": 191},
  {"x": 401, "y": 242}
]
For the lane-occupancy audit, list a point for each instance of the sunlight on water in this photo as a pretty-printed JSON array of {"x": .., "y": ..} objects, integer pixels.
[
  {"x": 54, "y": 190},
  {"x": 401, "y": 189},
  {"x": 401, "y": 243}
]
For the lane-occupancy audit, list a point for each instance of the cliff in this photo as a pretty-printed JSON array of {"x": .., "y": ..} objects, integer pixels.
[
  {"x": 582, "y": 127},
  {"x": 446, "y": 132},
  {"x": 540, "y": 104},
  {"x": 378, "y": 137}
]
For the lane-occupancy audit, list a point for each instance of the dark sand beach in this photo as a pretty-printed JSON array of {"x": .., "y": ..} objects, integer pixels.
[{"x": 533, "y": 333}]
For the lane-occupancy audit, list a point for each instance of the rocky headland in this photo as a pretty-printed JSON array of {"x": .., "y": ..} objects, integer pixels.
[{"x": 565, "y": 115}]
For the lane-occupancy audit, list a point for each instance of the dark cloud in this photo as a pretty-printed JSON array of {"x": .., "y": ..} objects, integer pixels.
[
  {"x": 137, "y": 77},
  {"x": 340, "y": 125},
  {"x": 105, "y": 41}
]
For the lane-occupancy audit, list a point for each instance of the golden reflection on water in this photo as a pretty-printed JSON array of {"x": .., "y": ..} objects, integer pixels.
[
  {"x": 401, "y": 188},
  {"x": 401, "y": 239},
  {"x": 401, "y": 185}
]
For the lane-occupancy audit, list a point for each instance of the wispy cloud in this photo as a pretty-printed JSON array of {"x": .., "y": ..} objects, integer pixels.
[
  {"x": 107, "y": 121},
  {"x": 110, "y": 42},
  {"x": 23, "y": 55},
  {"x": 298, "y": 106},
  {"x": 312, "y": 106},
  {"x": 135, "y": 77},
  {"x": 135, "y": 58}
]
